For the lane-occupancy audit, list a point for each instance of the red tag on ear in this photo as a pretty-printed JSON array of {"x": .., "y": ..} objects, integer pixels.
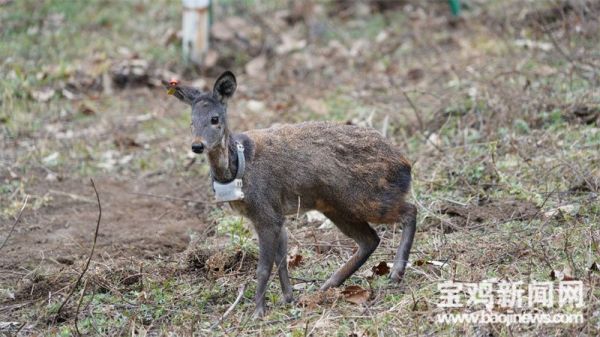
[{"x": 172, "y": 84}]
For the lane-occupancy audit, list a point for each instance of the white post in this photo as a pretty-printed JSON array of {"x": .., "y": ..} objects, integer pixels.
[{"x": 196, "y": 30}]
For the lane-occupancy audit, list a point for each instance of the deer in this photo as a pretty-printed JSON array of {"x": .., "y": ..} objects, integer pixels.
[{"x": 351, "y": 174}]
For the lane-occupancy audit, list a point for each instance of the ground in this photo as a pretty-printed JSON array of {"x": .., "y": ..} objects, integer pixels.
[{"x": 498, "y": 111}]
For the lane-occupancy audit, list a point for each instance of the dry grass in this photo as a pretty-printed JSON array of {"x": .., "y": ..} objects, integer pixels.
[{"x": 499, "y": 111}]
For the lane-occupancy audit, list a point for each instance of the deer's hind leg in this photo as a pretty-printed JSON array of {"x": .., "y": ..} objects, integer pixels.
[
  {"x": 408, "y": 235},
  {"x": 366, "y": 238}
]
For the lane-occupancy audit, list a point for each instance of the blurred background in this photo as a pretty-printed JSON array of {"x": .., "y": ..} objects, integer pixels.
[{"x": 495, "y": 102}]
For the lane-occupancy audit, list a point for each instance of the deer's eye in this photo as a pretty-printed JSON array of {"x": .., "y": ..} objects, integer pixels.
[{"x": 214, "y": 120}]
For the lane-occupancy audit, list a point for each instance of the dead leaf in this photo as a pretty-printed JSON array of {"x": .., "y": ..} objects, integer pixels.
[
  {"x": 256, "y": 66},
  {"x": 356, "y": 294},
  {"x": 564, "y": 275},
  {"x": 312, "y": 300},
  {"x": 381, "y": 269},
  {"x": 595, "y": 267},
  {"x": 124, "y": 141},
  {"x": 289, "y": 43},
  {"x": 415, "y": 74},
  {"x": 294, "y": 261},
  {"x": 382, "y": 36},
  {"x": 170, "y": 36},
  {"x": 87, "y": 109},
  {"x": 211, "y": 58},
  {"x": 43, "y": 95},
  {"x": 317, "y": 106},
  {"x": 419, "y": 263},
  {"x": 221, "y": 31},
  {"x": 255, "y": 106}
]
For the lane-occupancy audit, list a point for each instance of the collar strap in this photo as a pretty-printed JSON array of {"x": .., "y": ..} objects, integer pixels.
[
  {"x": 241, "y": 160},
  {"x": 241, "y": 164}
]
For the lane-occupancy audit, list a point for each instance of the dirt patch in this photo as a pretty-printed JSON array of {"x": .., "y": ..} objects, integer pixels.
[
  {"x": 494, "y": 211},
  {"x": 61, "y": 232}
]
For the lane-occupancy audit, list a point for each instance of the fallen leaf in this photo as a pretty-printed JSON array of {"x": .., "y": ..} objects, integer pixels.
[
  {"x": 312, "y": 300},
  {"x": 415, "y": 74},
  {"x": 565, "y": 209},
  {"x": 256, "y": 66},
  {"x": 382, "y": 36},
  {"x": 221, "y": 31},
  {"x": 294, "y": 261},
  {"x": 356, "y": 294},
  {"x": 211, "y": 58},
  {"x": 68, "y": 94},
  {"x": 564, "y": 275},
  {"x": 43, "y": 95},
  {"x": 381, "y": 269},
  {"x": 124, "y": 141},
  {"x": 255, "y": 106},
  {"x": 317, "y": 106},
  {"x": 420, "y": 263},
  {"x": 530, "y": 44},
  {"x": 87, "y": 109},
  {"x": 595, "y": 267},
  {"x": 52, "y": 177},
  {"x": 170, "y": 36},
  {"x": 289, "y": 43},
  {"x": 51, "y": 159},
  {"x": 315, "y": 216},
  {"x": 301, "y": 286}
]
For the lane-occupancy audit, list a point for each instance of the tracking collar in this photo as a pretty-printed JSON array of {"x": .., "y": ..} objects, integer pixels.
[{"x": 232, "y": 190}]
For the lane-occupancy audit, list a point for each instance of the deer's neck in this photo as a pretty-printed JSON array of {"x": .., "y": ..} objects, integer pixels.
[{"x": 223, "y": 159}]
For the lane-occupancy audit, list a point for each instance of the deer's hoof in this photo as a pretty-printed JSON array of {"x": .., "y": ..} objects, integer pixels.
[
  {"x": 288, "y": 298},
  {"x": 259, "y": 312},
  {"x": 397, "y": 276}
]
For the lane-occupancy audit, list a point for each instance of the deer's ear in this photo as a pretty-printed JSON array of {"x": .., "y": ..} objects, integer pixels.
[
  {"x": 183, "y": 93},
  {"x": 225, "y": 86}
]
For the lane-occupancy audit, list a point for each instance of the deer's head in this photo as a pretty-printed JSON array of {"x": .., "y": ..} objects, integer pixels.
[{"x": 209, "y": 110}]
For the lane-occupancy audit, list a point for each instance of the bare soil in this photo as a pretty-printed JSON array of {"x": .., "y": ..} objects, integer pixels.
[{"x": 134, "y": 224}]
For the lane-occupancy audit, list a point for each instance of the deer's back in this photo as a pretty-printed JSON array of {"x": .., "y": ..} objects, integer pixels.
[{"x": 330, "y": 167}]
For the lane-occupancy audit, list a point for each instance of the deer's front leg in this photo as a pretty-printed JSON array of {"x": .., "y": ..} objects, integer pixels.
[
  {"x": 281, "y": 265},
  {"x": 268, "y": 237}
]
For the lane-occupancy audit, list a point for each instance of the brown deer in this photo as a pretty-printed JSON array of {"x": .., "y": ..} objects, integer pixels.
[{"x": 349, "y": 173}]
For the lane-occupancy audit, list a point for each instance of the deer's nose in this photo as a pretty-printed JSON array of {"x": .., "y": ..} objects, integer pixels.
[{"x": 197, "y": 147}]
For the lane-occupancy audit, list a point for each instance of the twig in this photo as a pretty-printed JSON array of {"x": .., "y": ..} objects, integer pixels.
[
  {"x": 72, "y": 196},
  {"x": 79, "y": 307},
  {"x": 12, "y": 229},
  {"x": 20, "y": 328},
  {"x": 87, "y": 264},
  {"x": 230, "y": 309},
  {"x": 416, "y": 110},
  {"x": 420, "y": 121}
]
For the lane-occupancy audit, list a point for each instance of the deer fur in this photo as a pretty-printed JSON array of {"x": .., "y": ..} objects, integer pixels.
[{"x": 351, "y": 174}]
